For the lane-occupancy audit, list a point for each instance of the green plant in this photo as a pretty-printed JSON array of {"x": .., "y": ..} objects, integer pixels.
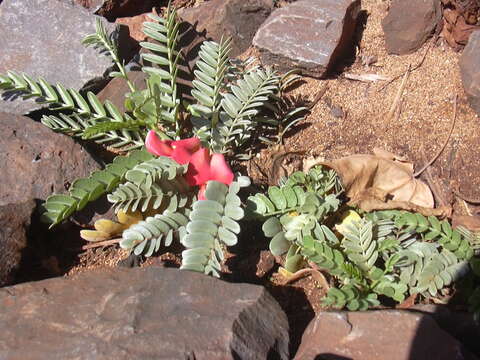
[
  {"x": 391, "y": 254},
  {"x": 297, "y": 209},
  {"x": 229, "y": 100}
]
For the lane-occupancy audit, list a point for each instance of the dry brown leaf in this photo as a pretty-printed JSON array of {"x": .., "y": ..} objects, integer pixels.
[
  {"x": 385, "y": 154},
  {"x": 378, "y": 183},
  {"x": 388, "y": 179}
]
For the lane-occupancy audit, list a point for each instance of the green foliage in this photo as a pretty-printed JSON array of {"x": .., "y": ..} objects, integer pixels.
[
  {"x": 225, "y": 116},
  {"x": 146, "y": 236},
  {"x": 350, "y": 297},
  {"x": 210, "y": 74},
  {"x": 154, "y": 184},
  {"x": 213, "y": 223},
  {"x": 282, "y": 113},
  {"x": 384, "y": 253},
  {"x": 435, "y": 230},
  {"x": 88, "y": 112},
  {"x": 226, "y": 120},
  {"x": 359, "y": 244},
  {"x": 248, "y": 96},
  {"x": 406, "y": 261},
  {"x": 300, "y": 193},
  {"x": 295, "y": 210},
  {"x": 439, "y": 270},
  {"x": 158, "y": 104},
  {"x": 82, "y": 191},
  {"x": 324, "y": 256},
  {"x": 106, "y": 127},
  {"x": 429, "y": 270}
]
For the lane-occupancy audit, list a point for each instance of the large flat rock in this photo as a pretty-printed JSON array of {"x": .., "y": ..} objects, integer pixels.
[
  {"x": 310, "y": 35},
  {"x": 36, "y": 162},
  {"x": 43, "y": 39},
  {"x": 378, "y": 335},
  {"x": 238, "y": 19},
  {"x": 141, "y": 313}
]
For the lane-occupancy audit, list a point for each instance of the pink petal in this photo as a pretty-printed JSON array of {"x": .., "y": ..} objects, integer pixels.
[
  {"x": 198, "y": 172},
  {"x": 156, "y": 146},
  {"x": 184, "y": 149},
  {"x": 191, "y": 144},
  {"x": 181, "y": 155},
  {"x": 201, "y": 192},
  {"x": 220, "y": 170}
]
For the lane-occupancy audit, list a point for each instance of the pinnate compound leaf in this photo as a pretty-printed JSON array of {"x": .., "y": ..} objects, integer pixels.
[{"x": 212, "y": 223}]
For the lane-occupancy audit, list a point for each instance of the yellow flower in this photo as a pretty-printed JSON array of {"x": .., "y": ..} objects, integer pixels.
[
  {"x": 348, "y": 218},
  {"x": 107, "y": 229}
]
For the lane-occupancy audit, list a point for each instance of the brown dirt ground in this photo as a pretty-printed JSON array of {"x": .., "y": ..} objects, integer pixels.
[{"x": 422, "y": 121}]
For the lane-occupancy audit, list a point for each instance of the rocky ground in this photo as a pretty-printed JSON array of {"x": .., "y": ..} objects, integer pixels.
[{"x": 403, "y": 76}]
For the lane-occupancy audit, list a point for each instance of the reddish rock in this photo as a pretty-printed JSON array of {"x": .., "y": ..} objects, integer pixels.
[
  {"x": 378, "y": 335},
  {"x": 238, "y": 19},
  {"x": 14, "y": 223},
  {"x": 92, "y": 5},
  {"x": 117, "y": 88},
  {"x": 47, "y": 43},
  {"x": 141, "y": 313},
  {"x": 470, "y": 70},
  {"x": 409, "y": 23},
  {"x": 112, "y": 9},
  {"x": 310, "y": 35},
  {"x": 37, "y": 162},
  {"x": 135, "y": 25}
]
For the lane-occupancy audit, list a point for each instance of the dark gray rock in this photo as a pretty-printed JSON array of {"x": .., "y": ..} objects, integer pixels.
[
  {"x": 238, "y": 19},
  {"x": 409, "y": 23},
  {"x": 470, "y": 70},
  {"x": 14, "y": 223},
  {"x": 378, "y": 335},
  {"x": 36, "y": 162},
  {"x": 309, "y": 34},
  {"x": 141, "y": 313},
  {"x": 43, "y": 39}
]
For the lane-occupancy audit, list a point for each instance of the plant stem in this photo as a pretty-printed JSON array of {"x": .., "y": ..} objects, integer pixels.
[
  {"x": 116, "y": 59},
  {"x": 102, "y": 243}
]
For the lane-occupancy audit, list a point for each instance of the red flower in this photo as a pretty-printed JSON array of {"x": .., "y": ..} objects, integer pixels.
[
  {"x": 181, "y": 150},
  {"x": 202, "y": 166}
]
